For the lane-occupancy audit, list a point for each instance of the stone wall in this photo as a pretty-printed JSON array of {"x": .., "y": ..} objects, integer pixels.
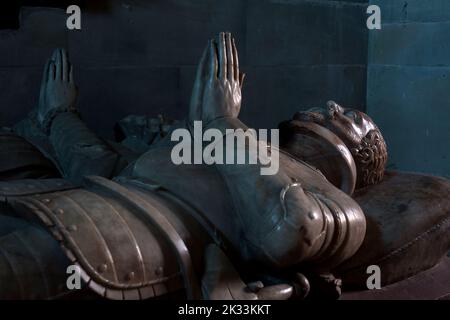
[
  {"x": 408, "y": 90},
  {"x": 137, "y": 56}
]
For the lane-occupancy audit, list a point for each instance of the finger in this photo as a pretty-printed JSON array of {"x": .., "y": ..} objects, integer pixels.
[
  {"x": 58, "y": 65},
  {"x": 213, "y": 61},
  {"x": 71, "y": 74},
  {"x": 197, "y": 91},
  {"x": 52, "y": 66},
  {"x": 230, "y": 63},
  {"x": 222, "y": 57},
  {"x": 45, "y": 73},
  {"x": 202, "y": 66},
  {"x": 236, "y": 62},
  {"x": 51, "y": 71},
  {"x": 55, "y": 55},
  {"x": 241, "y": 79},
  {"x": 65, "y": 65}
]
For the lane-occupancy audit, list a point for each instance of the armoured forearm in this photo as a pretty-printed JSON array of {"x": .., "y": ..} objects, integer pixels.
[{"x": 79, "y": 151}]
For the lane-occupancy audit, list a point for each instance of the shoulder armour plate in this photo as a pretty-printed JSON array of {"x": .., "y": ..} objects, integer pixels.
[{"x": 124, "y": 245}]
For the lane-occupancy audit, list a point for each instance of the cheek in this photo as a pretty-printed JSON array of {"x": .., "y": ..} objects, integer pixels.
[
  {"x": 366, "y": 127},
  {"x": 346, "y": 130},
  {"x": 343, "y": 124}
]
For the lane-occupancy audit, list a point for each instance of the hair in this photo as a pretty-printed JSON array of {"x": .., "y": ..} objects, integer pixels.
[{"x": 370, "y": 157}]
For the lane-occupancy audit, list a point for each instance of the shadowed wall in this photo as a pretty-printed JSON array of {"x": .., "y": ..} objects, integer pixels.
[
  {"x": 140, "y": 56},
  {"x": 408, "y": 90}
]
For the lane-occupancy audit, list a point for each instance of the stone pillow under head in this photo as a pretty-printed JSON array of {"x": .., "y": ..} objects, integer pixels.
[{"x": 408, "y": 228}]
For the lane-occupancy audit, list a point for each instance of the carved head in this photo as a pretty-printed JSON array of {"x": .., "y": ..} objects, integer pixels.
[{"x": 361, "y": 135}]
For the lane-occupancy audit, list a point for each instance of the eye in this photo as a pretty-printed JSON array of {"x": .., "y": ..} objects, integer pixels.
[
  {"x": 354, "y": 116},
  {"x": 351, "y": 114}
]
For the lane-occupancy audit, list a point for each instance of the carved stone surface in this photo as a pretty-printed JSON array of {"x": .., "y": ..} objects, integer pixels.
[
  {"x": 147, "y": 232},
  {"x": 408, "y": 227},
  {"x": 360, "y": 134},
  {"x": 321, "y": 148},
  {"x": 433, "y": 284},
  {"x": 19, "y": 159}
]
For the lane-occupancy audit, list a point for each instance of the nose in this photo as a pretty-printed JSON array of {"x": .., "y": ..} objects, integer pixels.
[{"x": 333, "y": 107}]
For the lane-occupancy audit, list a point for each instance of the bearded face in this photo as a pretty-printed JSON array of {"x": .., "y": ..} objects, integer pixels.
[{"x": 362, "y": 137}]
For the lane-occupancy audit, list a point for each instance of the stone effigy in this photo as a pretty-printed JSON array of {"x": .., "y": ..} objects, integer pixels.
[{"x": 140, "y": 226}]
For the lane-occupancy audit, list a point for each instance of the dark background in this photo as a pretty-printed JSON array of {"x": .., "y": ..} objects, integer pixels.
[{"x": 139, "y": 57}]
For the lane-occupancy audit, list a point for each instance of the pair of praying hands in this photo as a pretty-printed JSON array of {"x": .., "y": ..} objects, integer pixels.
[
  {"x": 217, "y": 88},
  {"x": 58, "y": 91},
  {"x": 216, "y": 93}
]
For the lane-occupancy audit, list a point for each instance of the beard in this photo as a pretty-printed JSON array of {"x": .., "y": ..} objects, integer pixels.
[{"x": 370, "y": 157}]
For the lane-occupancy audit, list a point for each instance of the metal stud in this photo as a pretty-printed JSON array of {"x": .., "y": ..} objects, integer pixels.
[
  {"x": 130, "y": 276},
  {"x": 159, "y": 271},
  {"x": 102, "y": 268},
  {"x": 312, "y": 216}
]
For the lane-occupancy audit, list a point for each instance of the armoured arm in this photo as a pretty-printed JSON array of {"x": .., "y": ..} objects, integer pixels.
[
  {"x": 80, "y": 152},
  {"x": 290, "y": 215},
  {"x": 76, "y": 149}
]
